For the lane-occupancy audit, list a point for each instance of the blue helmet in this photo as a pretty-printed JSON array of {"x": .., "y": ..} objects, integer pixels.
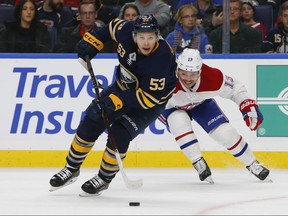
[{"x": 146, "y": 23}]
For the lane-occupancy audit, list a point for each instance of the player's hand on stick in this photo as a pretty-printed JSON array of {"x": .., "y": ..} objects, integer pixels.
[
  {"x": 110, "y": 103},
  {"x": 89, "y": 45},
  {"x": 251, "y": 114}
]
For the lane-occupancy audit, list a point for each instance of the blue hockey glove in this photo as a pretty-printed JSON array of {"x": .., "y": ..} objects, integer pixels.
[
  {"x": 110, "y": 103},
  {"x": 89, "y": 45},
  {"x": 251, "y": 114}
]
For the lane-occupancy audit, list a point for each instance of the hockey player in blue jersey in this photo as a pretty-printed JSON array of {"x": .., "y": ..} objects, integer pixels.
[{"x": 145, "y": 80}]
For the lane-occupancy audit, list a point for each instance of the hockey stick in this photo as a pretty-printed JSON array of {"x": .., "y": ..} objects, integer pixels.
[{"x": 130, "y": 184}]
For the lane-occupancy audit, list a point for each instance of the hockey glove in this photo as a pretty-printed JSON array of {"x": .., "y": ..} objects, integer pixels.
[
  {"x": 89, "y": 45},
  {"x": 110, "y": 103},
  {"x": 251, "y": 114}
]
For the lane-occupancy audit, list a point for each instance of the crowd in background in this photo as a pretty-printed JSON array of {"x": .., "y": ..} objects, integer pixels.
[{"x": 55, "y": 26}]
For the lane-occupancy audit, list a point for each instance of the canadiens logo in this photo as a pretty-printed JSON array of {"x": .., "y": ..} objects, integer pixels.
[{"x": 187, "y": 106}]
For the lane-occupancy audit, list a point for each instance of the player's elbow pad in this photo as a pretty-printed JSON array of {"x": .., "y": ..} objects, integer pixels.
[{"x": 117, "y": 102}]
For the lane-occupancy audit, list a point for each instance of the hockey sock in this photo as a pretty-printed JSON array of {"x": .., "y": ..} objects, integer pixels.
[
  {"x": 109, "y": 165},
  {"x": 228, "y": 136},
  {"x": 79, "y": 150},
  {"x": 242, "y": 152},
  {"x": 188, "y": 143}
]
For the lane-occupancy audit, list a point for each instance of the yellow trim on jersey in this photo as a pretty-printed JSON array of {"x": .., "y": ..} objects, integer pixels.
[
  {"x": 89, "y": 38},
  {"x": 115, "y": 25},
  {"x": 147, "y": 101},
  {"x": 151, "y": 97},
  {"x": 116, "y": 101},
  {"x": 164, "y": 99},
  {"x": 171, "y": 49},
  {"x": 156, "y": 46},
  {"x": 143, "y": 100}
]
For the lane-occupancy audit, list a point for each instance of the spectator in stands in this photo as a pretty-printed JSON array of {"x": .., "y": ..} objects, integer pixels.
[
  {"x": 2, "y": 34},
  {"x": 209, "y": 15},
  {"x": 2, "y": 27},
  {"x": 160, "y": 10},
  {"x": 183, "y": 2},
  {"x": 74, "y": 4},
  {"x": 26, "y": 34},
  {"x": 274, "y": 3},
  {"x": 247, "y": 15},
  {"x": 173, "y": 4},
  {"x": 243, "y": 38},
  {"x": 277, "y": 38},
  {"x": 98, "y": 6},
  {"x": 54, "y": 15},
  {"x": 173, "y": 10},
  {"x": 187, "y": 32},
  {"x": 7, "y": 3},
  {"x": 107, "y": 12},
  {"x": 130, "y": 12},
  {"x": 70, "y": 36}
]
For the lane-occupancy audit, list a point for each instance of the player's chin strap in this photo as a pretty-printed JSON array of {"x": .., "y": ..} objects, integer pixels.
[{"x": 130, "y": 184}]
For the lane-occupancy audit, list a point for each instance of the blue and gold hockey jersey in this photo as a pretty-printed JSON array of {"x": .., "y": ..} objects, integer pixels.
[{"x": 143, "y": 81}]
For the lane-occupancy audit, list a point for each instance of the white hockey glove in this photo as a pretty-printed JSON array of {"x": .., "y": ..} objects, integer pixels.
[{"x": 251, "y": 114}]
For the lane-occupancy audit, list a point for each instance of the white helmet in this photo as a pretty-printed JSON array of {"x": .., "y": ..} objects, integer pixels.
[{"x": 190, "y": 60}]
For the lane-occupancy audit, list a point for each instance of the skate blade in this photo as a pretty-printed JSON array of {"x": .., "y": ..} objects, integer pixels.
[
  {"x": 84, "y": 194},
  {"x": 268, "y": 179},
  {"x": 209, "y": 180},
  {"x": 68, "y": 183}
]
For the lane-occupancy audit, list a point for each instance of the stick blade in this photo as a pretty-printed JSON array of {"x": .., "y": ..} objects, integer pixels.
[
  {"x": 130, "y": 183},
  {"x": 134, "y": 184}
]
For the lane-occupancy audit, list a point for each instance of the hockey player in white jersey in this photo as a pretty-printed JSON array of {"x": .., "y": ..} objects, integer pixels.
[{"x": 193, "y": 99}]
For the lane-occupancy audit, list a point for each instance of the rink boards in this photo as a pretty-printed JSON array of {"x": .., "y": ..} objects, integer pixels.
[{"x": 43, "y": 98}]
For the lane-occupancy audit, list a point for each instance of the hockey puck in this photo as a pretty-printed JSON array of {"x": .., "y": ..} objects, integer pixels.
[{"x": 134, "y": 203}]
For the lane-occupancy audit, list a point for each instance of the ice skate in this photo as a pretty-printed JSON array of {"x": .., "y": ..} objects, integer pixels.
[
  {"x": 203, "y": 170},
  {"x": 63, "y": 178},
  {"x": 94, "y": 187},
  {"x": 259, "y": 171}
]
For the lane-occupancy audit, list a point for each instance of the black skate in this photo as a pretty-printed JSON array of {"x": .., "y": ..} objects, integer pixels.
[
  {"x": 259, "y": 171},
  {"x": 94, "y": 186},
  {"x": 203, "y": 170},
  {"x": 63, "y": 178}
]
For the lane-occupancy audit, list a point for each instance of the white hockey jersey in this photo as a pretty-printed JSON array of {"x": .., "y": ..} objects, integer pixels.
[{"x": 212, "y": 82}]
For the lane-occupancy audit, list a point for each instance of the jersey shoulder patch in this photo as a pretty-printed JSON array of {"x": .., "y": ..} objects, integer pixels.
[{"x": 211, "y": 79}]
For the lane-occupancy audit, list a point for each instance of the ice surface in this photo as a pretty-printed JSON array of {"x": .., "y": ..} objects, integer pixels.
[{"x": 165, "y": 192}]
